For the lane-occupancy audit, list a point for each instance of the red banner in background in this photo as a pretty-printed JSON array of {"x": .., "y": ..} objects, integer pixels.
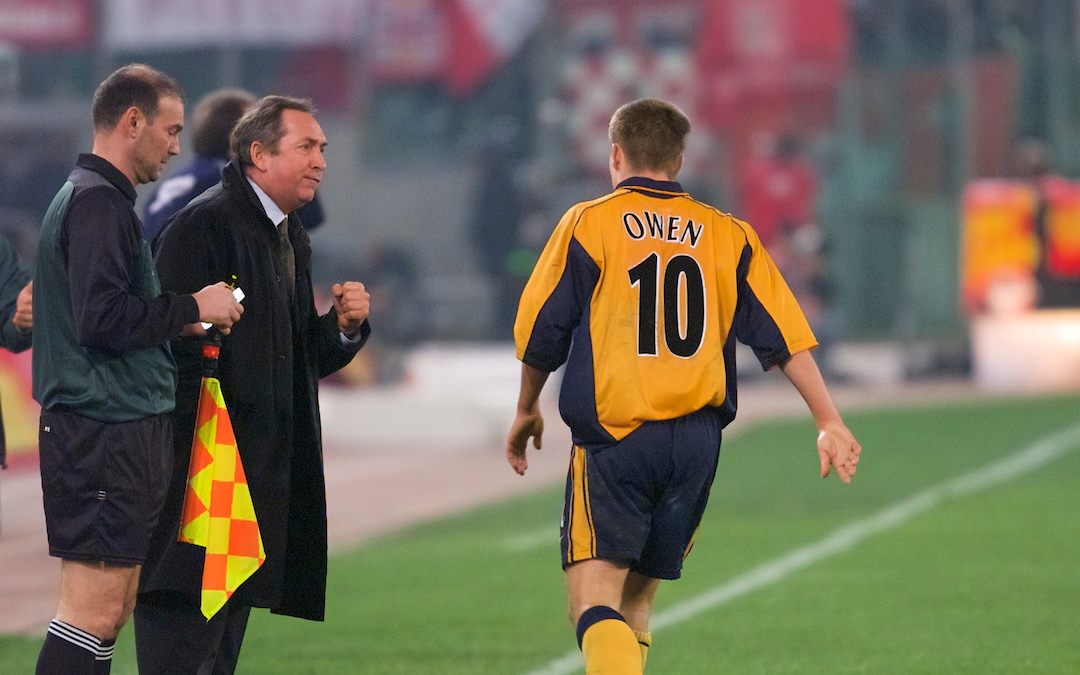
[
  {"x": 473, "y": 54},
  {"x": 408, "y": 40},
  {"x": 458, "y": 42},
  {"x": 46, "y": 23},
  {"x": 485, "y": 34},
  {"x": 737, "y": 67},
  {"x": 175, "y": 24},
  {"x": 771, "y": 53}
]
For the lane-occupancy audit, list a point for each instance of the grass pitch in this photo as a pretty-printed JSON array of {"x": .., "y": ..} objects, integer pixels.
[{"x": 986, "y": 583}]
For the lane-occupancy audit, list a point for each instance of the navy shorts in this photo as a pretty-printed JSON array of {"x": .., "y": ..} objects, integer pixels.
[
  {"x": 641, "y": 500},
  {"x": 104, "y": 484}
]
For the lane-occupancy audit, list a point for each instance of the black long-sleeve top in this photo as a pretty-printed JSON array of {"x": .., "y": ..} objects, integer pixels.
[
  {"x": 101, "y": 241},
  {"x": 101, "y": 323}
]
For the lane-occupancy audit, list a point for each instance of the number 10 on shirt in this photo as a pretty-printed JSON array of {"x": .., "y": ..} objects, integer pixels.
[{"x": 682, "y": 302}]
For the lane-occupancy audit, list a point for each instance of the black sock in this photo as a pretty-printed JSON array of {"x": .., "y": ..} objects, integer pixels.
[{"x": 70, "y": 651}]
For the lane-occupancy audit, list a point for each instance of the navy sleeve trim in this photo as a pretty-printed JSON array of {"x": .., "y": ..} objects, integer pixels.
[
  {"x": 753, "y": 324},
  {"x": 549, "y": 343}
]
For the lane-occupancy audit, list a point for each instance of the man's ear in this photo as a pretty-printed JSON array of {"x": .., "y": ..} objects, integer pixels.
[
  {"x": 131, "y": 120},
  {"x": 258, "y": 155},
  {"x": 618, "y": 157}
]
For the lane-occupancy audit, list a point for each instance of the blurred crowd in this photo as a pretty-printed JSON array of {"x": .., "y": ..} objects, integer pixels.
[{"x": 831, "y": 127}]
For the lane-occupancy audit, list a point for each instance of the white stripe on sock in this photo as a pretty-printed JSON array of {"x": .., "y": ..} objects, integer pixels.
[{"x": 79, "y": 638}]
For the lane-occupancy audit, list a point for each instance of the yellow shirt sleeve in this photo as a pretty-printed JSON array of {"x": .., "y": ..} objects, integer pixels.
[
  {"x": 768, "y": 318},
  {"x": 558, "y": 292}
]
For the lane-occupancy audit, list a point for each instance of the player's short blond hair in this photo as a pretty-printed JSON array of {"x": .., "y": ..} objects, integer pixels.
[{"x": 652, "y": 134}]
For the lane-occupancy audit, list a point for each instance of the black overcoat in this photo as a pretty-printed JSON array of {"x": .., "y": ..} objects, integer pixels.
[{"x": 269, "y": 370}]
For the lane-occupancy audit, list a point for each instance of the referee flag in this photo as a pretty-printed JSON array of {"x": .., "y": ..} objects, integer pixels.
[{"x": 218, "y": 513}]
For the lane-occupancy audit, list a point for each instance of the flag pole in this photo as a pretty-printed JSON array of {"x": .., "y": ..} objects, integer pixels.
[{"x": 211, "y": 350}]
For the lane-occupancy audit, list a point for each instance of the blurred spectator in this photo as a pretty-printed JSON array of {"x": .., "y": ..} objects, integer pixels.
[
  {"x": 778, "y": 198},
  {"x": 778, "y": 191},
  {"x": 215, "y": 116},
  {"x": 31, "y": 184},
  {"x": 499, "y": 207},
  {"x": 1031, "y": 160},
  {"x": 393, "y": 280},
  {"x": 806, "y": 271},
  {"x": 16, "y": 313}
]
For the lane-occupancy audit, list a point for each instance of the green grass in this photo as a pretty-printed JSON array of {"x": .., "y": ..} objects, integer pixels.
[{"x": 983, "y": 584}]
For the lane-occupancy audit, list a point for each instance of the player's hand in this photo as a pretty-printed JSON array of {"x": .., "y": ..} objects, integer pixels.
[
  {"x": 526, "y": 425},
  {"x": 24, "y": 309},
  {"x": 351, "y": 303},
  {"x": 838, "y": 448},
  {"x": 218, "y": 306}
]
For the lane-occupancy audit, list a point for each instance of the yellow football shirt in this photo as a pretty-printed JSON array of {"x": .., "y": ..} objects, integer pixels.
[{"x": 642, "y": 294}]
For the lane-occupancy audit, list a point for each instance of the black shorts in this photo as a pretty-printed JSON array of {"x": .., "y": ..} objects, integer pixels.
[
  {"x": 104, "y": 484},
  {"x": 641, "y": 500}
]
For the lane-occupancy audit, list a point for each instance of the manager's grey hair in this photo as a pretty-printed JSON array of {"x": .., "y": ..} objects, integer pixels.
[{"x": 262, "y": 123}]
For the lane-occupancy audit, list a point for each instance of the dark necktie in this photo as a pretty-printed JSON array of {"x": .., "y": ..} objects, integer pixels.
[{"x": 286, "y": 259}]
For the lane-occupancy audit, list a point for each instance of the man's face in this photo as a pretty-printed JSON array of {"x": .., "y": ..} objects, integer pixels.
[
  {"x": 159, "y": 140},
  {"x": 291, "y": 176}
]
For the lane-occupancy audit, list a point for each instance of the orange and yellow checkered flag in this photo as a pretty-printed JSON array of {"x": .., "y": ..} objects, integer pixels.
[{"x": 218, "y": 513}]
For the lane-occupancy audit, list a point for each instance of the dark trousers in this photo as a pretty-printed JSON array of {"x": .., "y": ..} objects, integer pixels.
[{"x": 172, "y": 637}]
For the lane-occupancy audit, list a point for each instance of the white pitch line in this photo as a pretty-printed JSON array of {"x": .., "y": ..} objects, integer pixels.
[
  {"x": 1025, "y": 461},
  {"x": 530, "y": 541}
]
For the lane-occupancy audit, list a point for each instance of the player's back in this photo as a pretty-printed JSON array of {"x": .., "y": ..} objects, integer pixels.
[{"x": 653, "y": 286}]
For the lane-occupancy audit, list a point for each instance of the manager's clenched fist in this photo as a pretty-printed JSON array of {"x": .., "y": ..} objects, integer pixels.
[{"x": 351, "y": 303}]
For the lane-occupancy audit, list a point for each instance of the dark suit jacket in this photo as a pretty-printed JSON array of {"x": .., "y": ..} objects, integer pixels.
[{"x": 269, "y": 370}]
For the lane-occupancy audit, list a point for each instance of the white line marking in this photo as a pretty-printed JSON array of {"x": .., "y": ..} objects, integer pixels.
[
  {"x": 1025, "y": 461},
  {"x": 531, "y": 541}
]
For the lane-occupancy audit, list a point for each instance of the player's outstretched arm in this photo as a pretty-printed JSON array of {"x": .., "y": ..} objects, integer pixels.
[
  {"x": 836, "y": 445},
  {"x": 528, "y": 423}
]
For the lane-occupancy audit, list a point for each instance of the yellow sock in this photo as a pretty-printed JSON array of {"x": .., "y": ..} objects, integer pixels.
[
  {"x": 608, "y": 643},
  {"x": 644, "y": 640}
]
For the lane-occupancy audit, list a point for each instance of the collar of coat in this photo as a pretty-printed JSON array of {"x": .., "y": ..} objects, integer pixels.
[{"x": 234, "y": 179}]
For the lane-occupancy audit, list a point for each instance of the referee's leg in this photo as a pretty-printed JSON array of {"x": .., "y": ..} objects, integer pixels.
[{"x": 96, "y": 599}]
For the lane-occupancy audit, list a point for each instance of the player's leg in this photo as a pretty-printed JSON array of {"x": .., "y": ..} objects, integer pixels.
[
  {"x": 93, "y": 600},
  {"x": 639, "y": 591},
  {"x": 595, "y": 588},
  {"x": 605, "y": 523},
  {"x": 594, "y": 583},
  {"x": 692, "y": 459}
]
